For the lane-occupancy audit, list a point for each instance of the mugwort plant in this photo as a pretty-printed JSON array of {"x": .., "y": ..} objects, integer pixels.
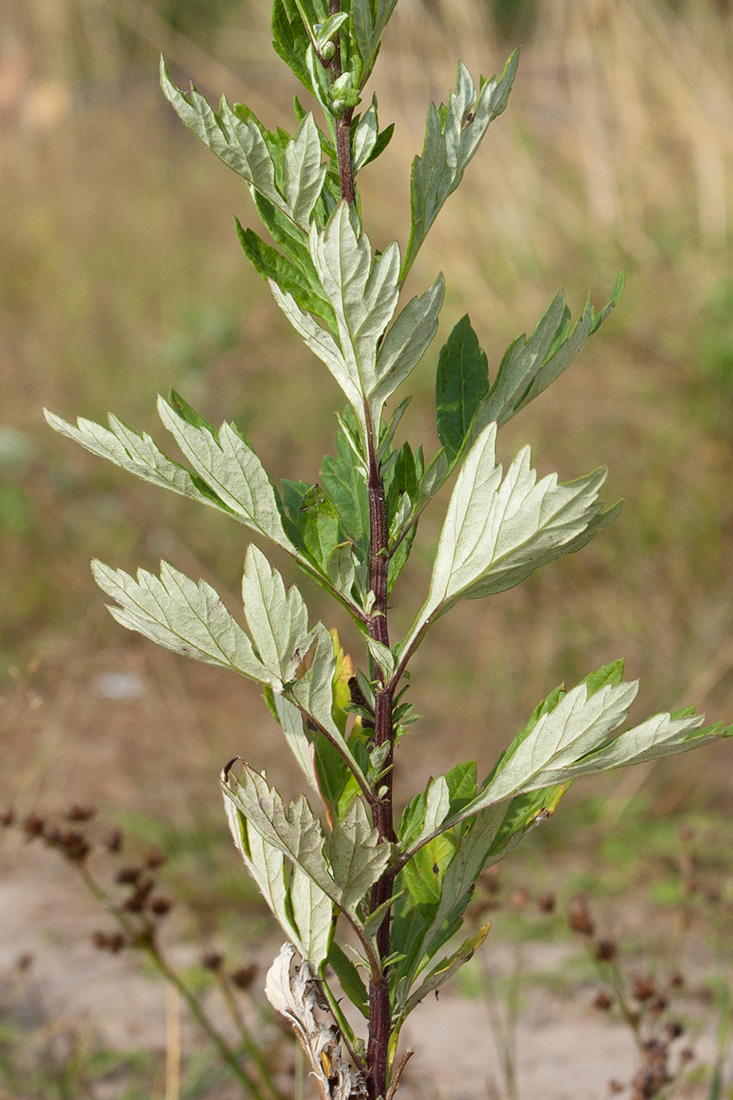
[{"x": 370, "y": 904}]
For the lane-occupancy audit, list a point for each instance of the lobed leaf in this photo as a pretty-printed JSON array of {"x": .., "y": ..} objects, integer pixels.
[
  {"x": 138, "y": 454},
  {"x": 238, "y": 139},
  {"x": 446, "y": 968},
  {"x": 529, "y": 366},
  {"x": 301, "y": 908},
  {"x": 452, "y": 136},
  {"x": 363, "y": 293},
  {"x": 181, "y": 615},
  {"x": 369, "y": 20},
  {"x": 497, "y": 532},
  {"x": 406, "y": 342},
  {"x": 277, "y": 620},
  {"x": 303, "y": 174},
  {"x": 228, "y": 464},
  {"x": 357, "y": 856},
  {"x": 266, "y": 865}
]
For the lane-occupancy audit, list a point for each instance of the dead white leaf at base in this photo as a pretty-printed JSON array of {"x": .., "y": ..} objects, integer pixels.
[{"x": 294, "y": 994}]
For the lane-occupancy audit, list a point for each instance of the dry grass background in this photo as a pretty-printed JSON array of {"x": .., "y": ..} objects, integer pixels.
[{"x": 121, "y": 276}]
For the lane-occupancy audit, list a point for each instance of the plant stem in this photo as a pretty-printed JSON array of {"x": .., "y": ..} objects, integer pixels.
[
  {"x": 343, "y": 124},
  {"x": 379, "y": 1009}
]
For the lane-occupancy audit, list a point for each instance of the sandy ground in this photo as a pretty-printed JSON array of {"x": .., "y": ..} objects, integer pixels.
[
  {"x": 564, "y": 1049},
  {"x": 124, "y": 727}
]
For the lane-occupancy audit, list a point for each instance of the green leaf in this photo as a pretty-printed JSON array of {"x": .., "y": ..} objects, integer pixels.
[
  {"x": 139, "y": 455},
  {"x": 369, "y": 20},
  {"x": 452, "y": 136},
  {"x": 181, "y": 615},
  {"x": 497, "y": 532},
  {"x": 277, "y": 620},
  {"x": 448, "y": 967},
  {"x": 303, "y": 174},
  {"x": 420, "y": 930},
  {"x": 462, "y": 384},
  {"x": 239, "y": 140},
  {"x": 314, "y": 694},
  {"x": 406, "y": 342},
  {"x": 240, "y": 145},
  {"x": 423, "y": 875},
  {"x": 293, "y": 830},
  {"x": 349, "y": 979},
  {"x": 358, "y": 857},
  {"x": 344, "y": 481},
  {"x": 270, "y": 264},
  {"x": 291, "y": 39},
  {"x": 523, "y": 812},
  {"x": 228, "y": 464},
  {"x": 319, "y": 526},
  {"x": 312, "y": 915},
  {"x": 295, "y": 247},
  {"x": 292, "y": 494},
  {"x": 529, "y": 366}
]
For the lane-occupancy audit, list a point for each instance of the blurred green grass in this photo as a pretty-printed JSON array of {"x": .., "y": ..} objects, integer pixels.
[{"x": 122, "y": 276}]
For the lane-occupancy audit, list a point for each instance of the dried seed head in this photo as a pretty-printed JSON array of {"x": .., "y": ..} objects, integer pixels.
[
  {"x": 73, "y": 844},
  {"x": 212, "y": 960},
  {"x": 154, "y": 859},
  {"x": 244, "y": 977},
  {"x": 139, "y": 899},
  {"x": 109, "y": 941},
  {"x": 160, "y": 906},
  {"x": 546, "y": 903},
  {"x": 643, "y": 989},
  {"x": 605, "y": 950},
  {"x": 128, "y": 876},
  {"x": 80, "y": 813},
  {"x": 579, "y": 917},
  {"x": 673, "y": 1030},
  {"x": 113, "y": 841},
  {"x": 7, "y": 817},
  {"x": 603, "y": 1000},
  {"x": 615, "y": 1086},
  {"x": 34, "y": 826}
]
